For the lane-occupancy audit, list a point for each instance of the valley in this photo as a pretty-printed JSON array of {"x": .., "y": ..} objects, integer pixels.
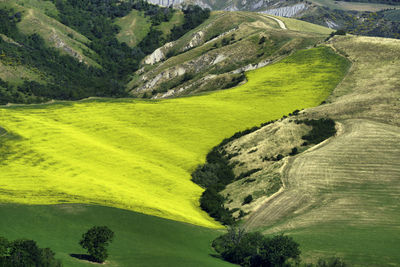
[{"x": 107, "y": 124}]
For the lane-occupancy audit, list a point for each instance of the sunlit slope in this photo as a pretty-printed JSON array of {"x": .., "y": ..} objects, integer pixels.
[{"x": 138, "y": 155}]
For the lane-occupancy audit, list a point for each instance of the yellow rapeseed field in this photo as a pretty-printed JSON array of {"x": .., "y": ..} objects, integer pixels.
[{"x": 138, "y": 154}]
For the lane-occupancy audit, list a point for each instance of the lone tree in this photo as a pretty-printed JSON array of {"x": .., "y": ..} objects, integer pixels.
[{"x": 95, "y": 241}]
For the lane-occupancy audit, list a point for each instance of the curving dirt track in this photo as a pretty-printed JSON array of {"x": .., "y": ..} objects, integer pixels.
[
  {"x": 340, "y": 181},
  {"x": 280, "y": 22}
]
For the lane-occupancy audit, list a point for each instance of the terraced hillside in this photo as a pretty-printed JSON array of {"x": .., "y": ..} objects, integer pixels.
[
  {"x": 339, "y": 198},
  {"x": 138, "y": 155}
]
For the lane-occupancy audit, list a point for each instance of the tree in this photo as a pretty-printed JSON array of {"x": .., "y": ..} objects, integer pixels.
[{"x": 95, "y": 241}]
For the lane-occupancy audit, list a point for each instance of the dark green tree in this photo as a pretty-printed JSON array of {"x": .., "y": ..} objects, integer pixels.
[
  {"x": 95, "y": 241},
  {"x": 256, "y": 250}
]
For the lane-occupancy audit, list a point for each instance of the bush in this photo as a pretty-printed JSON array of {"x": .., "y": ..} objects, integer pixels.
[
  {"x": 321, "y": 129},
  {"x": 294, "y": 151},
  {"x": 247, "y": 200}
]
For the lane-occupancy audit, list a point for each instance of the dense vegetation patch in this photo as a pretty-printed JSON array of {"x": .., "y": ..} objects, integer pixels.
[
  {"x": 321, "y": 130},
  {"x": 66, "y": 77},
  {"x": 25, "y": 253},
  {"x": 255, "y": 250}
]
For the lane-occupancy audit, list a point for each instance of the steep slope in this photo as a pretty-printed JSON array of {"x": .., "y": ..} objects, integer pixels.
[
  {"x": 35, "y": 19},
  {"x": 214, "y": 55},
  {"x": 337, "y": 198}
]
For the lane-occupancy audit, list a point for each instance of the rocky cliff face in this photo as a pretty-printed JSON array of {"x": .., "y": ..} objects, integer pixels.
[
  {"x": 166, "y": 2},
  {"x": 272, "y": 7},
  {"x": 229, "y": 5},
  {"x": 287, "y": 11}
]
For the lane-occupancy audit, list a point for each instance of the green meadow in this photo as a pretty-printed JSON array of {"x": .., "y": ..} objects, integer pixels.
[
  {"x": 137, "y": 154},
  {"x": 140, "y": 240},
  {"x": 359, "y": 246}
]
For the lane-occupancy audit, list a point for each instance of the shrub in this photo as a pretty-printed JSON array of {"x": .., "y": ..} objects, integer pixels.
[
  {"x": 321, "y": 129},
  {"x": 294, "y": 151},
  {"x": 247, "y": 200}
]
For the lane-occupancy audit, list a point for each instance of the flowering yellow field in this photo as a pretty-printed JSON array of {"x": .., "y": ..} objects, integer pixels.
[{"x": 138, "y": 155}]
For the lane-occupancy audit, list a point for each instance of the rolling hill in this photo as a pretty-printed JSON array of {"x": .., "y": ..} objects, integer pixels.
[
  {"x": 68, "y": 165},
  {"x": 337, "y": 198}
]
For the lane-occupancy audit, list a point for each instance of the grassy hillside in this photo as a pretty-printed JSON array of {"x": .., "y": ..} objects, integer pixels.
[
  {"x": 138, "y": 155},
  {"x": 140, "y": 240},
  {"x": 338, "y": 198},
  {"x": 40, "y": 17},
  {"x": 211, "y": 56},
  {"x": 134, "y": 27},
  {"x": 303, "y": 26}
]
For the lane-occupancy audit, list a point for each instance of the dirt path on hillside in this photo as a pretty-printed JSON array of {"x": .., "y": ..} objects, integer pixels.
[
  {"x": 280, "y": 22},
  {"x": 340, "y": 175}
]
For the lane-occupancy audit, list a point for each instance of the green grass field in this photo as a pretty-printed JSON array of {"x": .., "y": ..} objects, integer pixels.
[
  {"x": 140, "y": 240},
  {"x": 137, "y": 154}
]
